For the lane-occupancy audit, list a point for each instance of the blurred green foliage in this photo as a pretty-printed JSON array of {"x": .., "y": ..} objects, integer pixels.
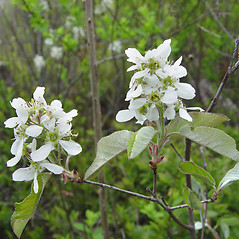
[{"x": 70, "y": 210}]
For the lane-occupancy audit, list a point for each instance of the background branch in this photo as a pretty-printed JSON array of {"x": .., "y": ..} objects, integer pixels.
[{"x": 96, "y": 108}]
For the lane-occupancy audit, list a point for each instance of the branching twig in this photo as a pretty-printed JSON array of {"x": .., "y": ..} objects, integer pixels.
[
  {"x": 179, "y": 155},
  {"x": 229, "y": 72},
  {"x": 218, "y": 21},
  {"x": 154, "y": 180}
]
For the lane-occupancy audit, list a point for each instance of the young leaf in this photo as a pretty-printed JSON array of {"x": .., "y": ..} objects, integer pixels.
[
  {"x": 139, "y": 141},
  {"x": 212, "y": 138},
  {"x": 107, "y": 148},
  {"x": 196, "y": 171},
  {"x": 231, "y": 176},
  {"x": 25, "y": 209},
  {"x": 191, "y": 199},
  {"x": 199, "y": 119}
]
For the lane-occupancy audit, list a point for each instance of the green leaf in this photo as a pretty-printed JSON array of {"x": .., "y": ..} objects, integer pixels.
[
  {"x": 196, "y": 171},
  {"x": 191, "y": 199},
  {"x": 25, "y": 209},
  {"x": 139, "y": 141},
  {"x": 107, "y": 148},
  {"x": 199, "y": 119},
  {"x": 231, "y": 176},
  {"x": 212, "y": 138}
]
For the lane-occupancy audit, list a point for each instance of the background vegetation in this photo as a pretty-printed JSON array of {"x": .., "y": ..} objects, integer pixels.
[{"x": 203, "y": 32}]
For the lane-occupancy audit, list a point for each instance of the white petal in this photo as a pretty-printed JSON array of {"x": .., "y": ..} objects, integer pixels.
[
  {"x": 195, "y": 108},
  {"x": 140, "y": 118},
  {"x": 137, "y": 103},
  {"x": 18, "y": 103},
  {"x": 38, "y": 95},
  {"x": 163, "y": 51},
  {"x": 56, "y": 169},
  {"x": 170, "y": 96},
  {"x": 34, "y": 130},
  {"x": 185, "y": 91},
  {"x": 24, "y": 174},
  {"x": 71, "y": 114},
  {"x": 184, "y": 114},
  {"x": 35, "y": 184},
  {"x": 13, "y": 161},
  {"x": 64, "y": 128},
  {"x": 132, "y": 93},
  {"x": 50, "y": 125},
  {"x": 56, "y": 103},
  {"x": 12, "y": 122},
  {"x": 17, "y": 147},
  {"x": 22, "y": 114},
  {"x": 42, "y": 153},
  {"x": 33, "y": 145},
  {"x": 133, "y": 54},
  {"x": 125, "y": 115},
  {"x": 140, "y": 74},
  {"x": 133, "y": 68},
  {"x": 178, "y": 62},
  {"x": 70, "y": 147},
  {"x": 169, "y": 113},
  {"x": 152, "y": 114}
]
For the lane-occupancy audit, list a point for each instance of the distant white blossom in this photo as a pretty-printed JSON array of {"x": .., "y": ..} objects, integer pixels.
[
  {"x": 78, "y": 32},
  {"x": 48, "y": 42},
  {"x": 39, "y": 62},
  {"x": 103, "y": 6},
  {"x": 45, "y": 6},
  {"x": 70, "y": 20},
  {"x": 56, "y": 52},
  {"x": 115, "y": 46}
]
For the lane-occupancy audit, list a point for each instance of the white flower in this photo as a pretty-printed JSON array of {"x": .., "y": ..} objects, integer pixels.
[
  {"x": 105, "y": 4},
  {"x": 31, "y": 172},
  {"x": 21, "y": 108},
  {"x": 48, "y": 42},
  {"x": 45, "y": 6},
  {"x": 56, "y": 52},
  {"x": 57, "y": 131},
  {"x": 115, "y": 46},
  {"x": 156, "y": 80},
  {"x": 78, "y": 32},
  {"x": 70, "y": 21},
  {"x": 39, "y": 62}
]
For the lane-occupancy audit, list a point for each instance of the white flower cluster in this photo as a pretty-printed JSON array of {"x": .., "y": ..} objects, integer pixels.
[
  {"x": 155, "y": 86},
  {"x": 39, "y": 62},
  {"x": 115, "y": 46},
  {"x": 56, "y": 52},
  {"x": 42, "y": 134}
]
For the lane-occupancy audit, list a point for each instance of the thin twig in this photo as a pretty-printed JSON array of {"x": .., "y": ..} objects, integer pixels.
[
  {"x": 179, "y": 155},
  {"x": 154, "y": 180},
  {"x": 110, "y": 58},
  {"x": 218, "y": 21},
  {"x": 229, "y": 72},
  {"x": 152, "y": 198}
]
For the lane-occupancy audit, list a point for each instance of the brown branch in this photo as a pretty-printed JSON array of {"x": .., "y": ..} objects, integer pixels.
[
  {"x": 179, "y": 155},
  {"x": 229, "y": 72},
  {"x": 154, "y": 199},
  {"x": 96, "y": 107}
]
